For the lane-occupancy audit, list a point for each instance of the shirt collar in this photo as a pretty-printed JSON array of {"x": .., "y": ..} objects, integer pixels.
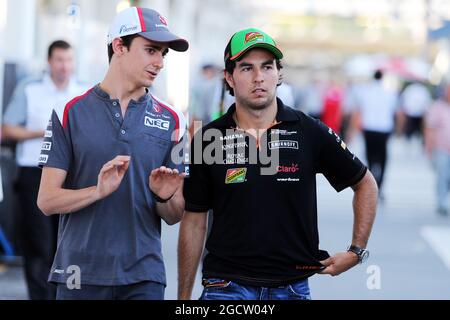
[
  {"x": 104, "y": 95},
  {"x": 49, "y": 82}
]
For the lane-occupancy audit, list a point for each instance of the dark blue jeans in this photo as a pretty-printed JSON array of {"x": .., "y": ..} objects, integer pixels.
[{"x": 219, "y": 289}]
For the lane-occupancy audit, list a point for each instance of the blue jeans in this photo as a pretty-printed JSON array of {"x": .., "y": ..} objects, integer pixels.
[
  {"x": 442, "y": 165},
  {"x": 219, "y": 289}
]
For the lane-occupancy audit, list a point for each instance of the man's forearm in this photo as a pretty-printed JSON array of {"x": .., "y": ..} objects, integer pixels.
[
  {"x": 19, "y": 133},
  {"x": 61, "y": 201},
  {"x": 172, "y": 211},
  {"x": 190, "y": 247},
  {"x": 364, "y": 207}
]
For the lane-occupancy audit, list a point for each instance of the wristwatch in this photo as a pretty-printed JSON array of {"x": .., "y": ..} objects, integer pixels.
[
  {"x": 362, "y": 254},
  {"x": 159, "y": 199}
]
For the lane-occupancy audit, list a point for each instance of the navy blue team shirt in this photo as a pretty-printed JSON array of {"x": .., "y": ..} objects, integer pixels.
[{"x": 116, "y": 240}]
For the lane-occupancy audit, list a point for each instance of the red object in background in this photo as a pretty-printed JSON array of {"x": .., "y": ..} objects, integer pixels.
[
  {"x": 399, "y": 67},
  {"x": 332, "y": 111}
]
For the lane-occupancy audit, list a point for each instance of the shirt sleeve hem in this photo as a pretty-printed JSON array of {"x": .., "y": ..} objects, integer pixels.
[
  {"x": 54, "y": 164},
  {"x": 354, "y": 180}
]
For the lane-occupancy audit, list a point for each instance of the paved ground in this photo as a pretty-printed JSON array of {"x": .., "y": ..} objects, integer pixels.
[{"x": 410, "y": 243}]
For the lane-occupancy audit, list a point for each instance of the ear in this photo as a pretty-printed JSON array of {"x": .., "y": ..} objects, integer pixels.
[
  {"x": 280, "y": 78},
  {"x": 229, "y": 78},
  {"x": 118, "y": 47}
]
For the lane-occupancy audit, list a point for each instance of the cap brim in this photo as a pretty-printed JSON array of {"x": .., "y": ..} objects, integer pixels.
[
  {"x": 172, "y": 41},
  {"x": 274, "y": 50}
]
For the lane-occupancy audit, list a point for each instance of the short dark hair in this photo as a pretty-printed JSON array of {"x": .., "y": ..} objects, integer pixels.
[
  {"x": 126, "y": 40},
  {"x": 58, "y": 44},
  {"x": 230, "y": 65},
  {"x": 378, "y": 75}
]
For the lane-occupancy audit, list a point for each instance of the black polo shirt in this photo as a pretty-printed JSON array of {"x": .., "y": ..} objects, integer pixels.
[{"x": 264, "y": 229}]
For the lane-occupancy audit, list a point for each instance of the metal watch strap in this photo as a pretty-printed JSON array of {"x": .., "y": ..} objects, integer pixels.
[{"x": 356, "y": 250}]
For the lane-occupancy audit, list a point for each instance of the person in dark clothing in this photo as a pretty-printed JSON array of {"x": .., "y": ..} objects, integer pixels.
[{"x": 263, "y": 242}]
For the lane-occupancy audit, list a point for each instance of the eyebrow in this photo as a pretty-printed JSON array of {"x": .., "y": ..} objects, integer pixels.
[
  {"x": 268, "y": 62},
  {"x": 157, "y": 48},
  {"x": 246, "y": 64}
]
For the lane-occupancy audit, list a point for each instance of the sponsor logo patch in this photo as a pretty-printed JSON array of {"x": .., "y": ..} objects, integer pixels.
[
  {"x": 253, "y": 36},
  {"x": 157, "y": 115},
  {"x": 235, "y": 175},
  {"x": 157, "y": 123},
  {"x": 293, "y": 168},
  {"x": 46, "y": 146},
  {"x": 283, "y": 144},
  {"x": 236, "y": 158},
  {"x": 339, "y": 140},
  {"x": 235, "y": 145},
  {"x": 232, "y": 137},
  {"x": 125, "y": 28},
  {"x": 43, "y": 158},
  {"x": 48, "y": 134},
  {"x": 288, "y": 179},
  {"x": 331, "y": 132},
  {"x": 59, "y": 271},
  {"x": 282, "y": 132},
  {"x": 163, "y": 20},
  {"x": 156, "y": 108}
]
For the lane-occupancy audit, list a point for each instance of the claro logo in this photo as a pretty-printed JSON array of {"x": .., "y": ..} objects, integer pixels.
[{"x": 293, "y": 168}]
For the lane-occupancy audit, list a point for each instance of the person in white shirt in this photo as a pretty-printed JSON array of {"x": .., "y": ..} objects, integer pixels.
[
  {"x": 376, "y": 108},
  {"x": 415, "y": 100},
  {"x": 25, "y": 121},
  {"x": 313, "y": 98},
  {"x": 286, "y": 93}
]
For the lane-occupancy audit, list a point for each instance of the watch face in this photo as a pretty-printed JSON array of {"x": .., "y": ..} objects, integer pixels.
[{"x": 364, "y": 256}]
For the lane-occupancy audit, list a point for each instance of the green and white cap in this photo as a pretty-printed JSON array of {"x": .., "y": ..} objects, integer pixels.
[{"x": 244, "y": 40}]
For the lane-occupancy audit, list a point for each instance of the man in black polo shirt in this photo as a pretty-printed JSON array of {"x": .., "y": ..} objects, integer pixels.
[{"x": 256, "y": 168}]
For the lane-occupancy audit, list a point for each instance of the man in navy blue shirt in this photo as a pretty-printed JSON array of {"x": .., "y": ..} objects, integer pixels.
[{"x": 109, "y": 170}]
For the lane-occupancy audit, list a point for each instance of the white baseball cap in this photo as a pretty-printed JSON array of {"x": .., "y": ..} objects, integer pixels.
[{"x": 147, "y": 23}]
